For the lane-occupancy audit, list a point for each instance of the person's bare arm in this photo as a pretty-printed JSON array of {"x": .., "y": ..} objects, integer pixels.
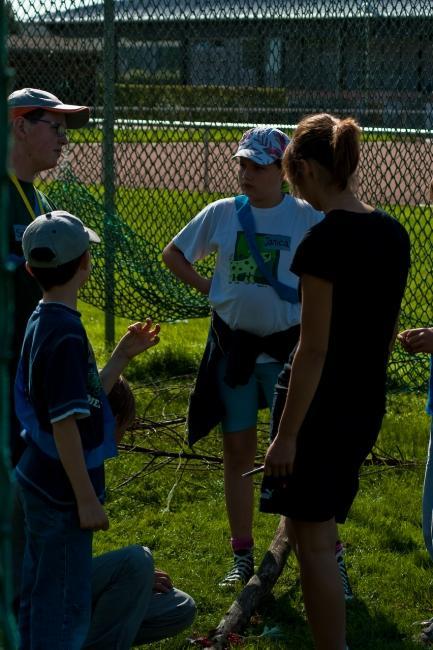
[
  {"x": 68, "y": 442},
  {"x": 184, "y": 270},
  {"x": 307, "y": 369}
]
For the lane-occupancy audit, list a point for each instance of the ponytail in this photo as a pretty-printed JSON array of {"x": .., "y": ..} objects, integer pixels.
[
  {"x": 331, "y": 142},
  {"x": 345, "y": 144}
]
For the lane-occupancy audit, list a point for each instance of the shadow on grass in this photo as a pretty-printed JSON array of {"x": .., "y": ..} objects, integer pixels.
[
  {"x": 281, "y": 612},
  {"x": 375, "y": 631},
  {"x": 163, "y": 364},
  {"x": 365, "y": 630}
]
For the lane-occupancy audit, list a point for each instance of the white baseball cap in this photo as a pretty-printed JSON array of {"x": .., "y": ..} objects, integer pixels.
[{"x": 263, "y": 144}]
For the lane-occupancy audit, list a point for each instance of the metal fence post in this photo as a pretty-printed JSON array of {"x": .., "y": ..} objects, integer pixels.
[
  {"x": 108, "y": 165},
  {"x": 8, "y": 638}
]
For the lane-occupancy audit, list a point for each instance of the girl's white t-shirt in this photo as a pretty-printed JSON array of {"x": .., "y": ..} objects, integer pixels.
[{"x": 239, "y": 293}]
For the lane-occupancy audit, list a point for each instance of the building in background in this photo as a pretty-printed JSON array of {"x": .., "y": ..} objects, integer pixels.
[{"x": 367, "y": 59}]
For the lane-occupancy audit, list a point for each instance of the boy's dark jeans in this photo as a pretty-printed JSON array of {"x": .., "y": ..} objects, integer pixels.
[{"x": 55, "y": 604}]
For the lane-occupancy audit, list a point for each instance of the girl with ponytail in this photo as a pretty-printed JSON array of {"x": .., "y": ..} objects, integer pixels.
[{"x": 352, "y": 267}]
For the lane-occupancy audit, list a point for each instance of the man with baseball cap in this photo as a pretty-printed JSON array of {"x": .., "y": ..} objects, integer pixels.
[{"x": 38, "y": 123}]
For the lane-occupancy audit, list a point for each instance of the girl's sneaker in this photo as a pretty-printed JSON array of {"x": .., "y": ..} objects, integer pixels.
[
  {"x": 426, "y": 635},
  {"x": 339, "y": 556},
  {"x": 242, "y": 570}
]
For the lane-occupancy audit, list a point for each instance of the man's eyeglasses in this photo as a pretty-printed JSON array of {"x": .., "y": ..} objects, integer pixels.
[{"x": 60, "y": 130}]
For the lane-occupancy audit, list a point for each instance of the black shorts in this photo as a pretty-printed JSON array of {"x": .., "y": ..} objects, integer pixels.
[{"x": 331, "y": 448}]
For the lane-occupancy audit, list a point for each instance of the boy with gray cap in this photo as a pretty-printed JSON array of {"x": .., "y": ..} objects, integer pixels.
[{"x": 68, "y": 427}]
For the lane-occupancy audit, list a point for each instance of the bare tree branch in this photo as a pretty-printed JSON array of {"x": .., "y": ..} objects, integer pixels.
[{"x": 260, "y": 585}]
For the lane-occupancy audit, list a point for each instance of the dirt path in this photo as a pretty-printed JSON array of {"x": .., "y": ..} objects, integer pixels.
[{"x": 390, "y": 172}]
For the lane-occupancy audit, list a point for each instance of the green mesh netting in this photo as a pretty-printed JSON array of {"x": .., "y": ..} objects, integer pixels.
[{"x": 142, "y": 285}]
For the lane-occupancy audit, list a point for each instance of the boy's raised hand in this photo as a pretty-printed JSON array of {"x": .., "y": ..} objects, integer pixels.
[
  {"x": 417, "y": 340},
  {"x": 138, "y": 338}
]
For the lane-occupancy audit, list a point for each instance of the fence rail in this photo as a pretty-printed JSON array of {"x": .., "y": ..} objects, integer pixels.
[{"x": 120, "y": 122}]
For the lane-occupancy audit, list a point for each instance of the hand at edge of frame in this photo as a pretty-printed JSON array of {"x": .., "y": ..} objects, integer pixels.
[{"x": 417, "y": 340}]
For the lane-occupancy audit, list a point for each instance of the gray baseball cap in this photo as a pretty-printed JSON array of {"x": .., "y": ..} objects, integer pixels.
[
  {"x": 56, "y": 238},
  {"x": 25, "y": 100}
]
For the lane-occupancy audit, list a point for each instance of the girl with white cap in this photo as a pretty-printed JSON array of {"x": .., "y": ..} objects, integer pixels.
[{"x": 255, "y": 315}]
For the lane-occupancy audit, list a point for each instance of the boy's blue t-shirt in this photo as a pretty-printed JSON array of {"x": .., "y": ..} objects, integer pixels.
[{"x": 57, "y": 377}]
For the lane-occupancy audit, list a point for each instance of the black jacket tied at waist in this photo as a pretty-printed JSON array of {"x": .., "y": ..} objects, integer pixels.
[{"x": 241, "y": 350}]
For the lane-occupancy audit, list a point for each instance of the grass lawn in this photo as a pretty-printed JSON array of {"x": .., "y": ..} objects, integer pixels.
[
  {"x": 127, "y": 133},
  {"x": 191, "y": 133},
  {"x": 179, "y": 512}
]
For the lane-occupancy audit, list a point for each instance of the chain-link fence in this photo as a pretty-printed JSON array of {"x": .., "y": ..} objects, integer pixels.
[{"x": 173, "y": 84}]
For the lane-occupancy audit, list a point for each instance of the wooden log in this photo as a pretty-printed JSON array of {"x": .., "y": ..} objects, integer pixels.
[{"x": 261, "y": 584}]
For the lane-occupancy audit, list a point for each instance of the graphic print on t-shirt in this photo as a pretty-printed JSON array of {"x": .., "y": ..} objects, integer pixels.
[{"x": 243, "y": 267}]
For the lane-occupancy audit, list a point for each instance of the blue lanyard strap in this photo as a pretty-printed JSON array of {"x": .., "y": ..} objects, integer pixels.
[{"x": 246, "y": 219}]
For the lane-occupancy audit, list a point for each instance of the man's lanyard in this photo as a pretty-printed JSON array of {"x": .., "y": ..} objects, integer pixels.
[{"x": 38, "y": 204}]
